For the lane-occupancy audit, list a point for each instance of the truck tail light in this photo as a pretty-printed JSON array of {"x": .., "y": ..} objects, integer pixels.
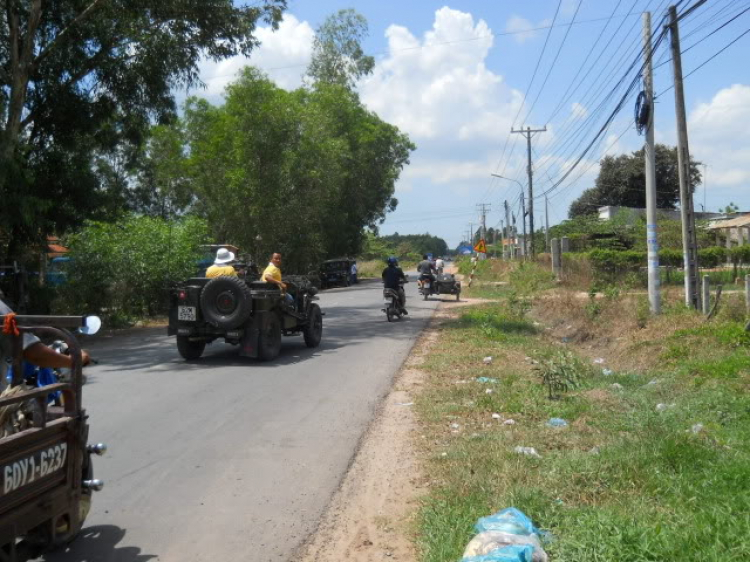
[{"x": 182, "y": 295}]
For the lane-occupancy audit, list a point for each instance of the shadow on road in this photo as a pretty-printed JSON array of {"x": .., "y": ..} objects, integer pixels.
[
  {"x": 99, "y": 544},
  {"x": 344, "y": 325}
]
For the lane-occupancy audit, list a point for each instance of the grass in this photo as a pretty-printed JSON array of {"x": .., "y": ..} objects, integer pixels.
[{"x": 623, "y": 481}]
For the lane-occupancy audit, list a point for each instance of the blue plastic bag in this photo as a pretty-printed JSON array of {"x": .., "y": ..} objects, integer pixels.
[
  {"x": 511, "y": 553},
  {"x": 509, "y": 520}
]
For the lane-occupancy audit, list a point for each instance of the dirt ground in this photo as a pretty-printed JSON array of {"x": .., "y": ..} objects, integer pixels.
[{"x": 371, "y": 516}]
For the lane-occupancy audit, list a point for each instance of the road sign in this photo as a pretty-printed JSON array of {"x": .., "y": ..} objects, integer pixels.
[{"x": 481, "y": 247}]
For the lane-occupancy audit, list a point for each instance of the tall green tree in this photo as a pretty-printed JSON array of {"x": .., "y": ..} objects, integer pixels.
[
  {"x": 338, "y": 57},
  {"x": 300, "y": 172},
  {"x": 622, "y": 182},
  {"x": 81, "y": 77},
  {"x": 161, "y": 187}
]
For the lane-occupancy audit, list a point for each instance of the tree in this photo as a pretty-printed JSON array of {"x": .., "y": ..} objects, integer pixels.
[
  {"x": 417, "y": 244},
  {"x": 730, "y": 209},
  {"x": 622, "y": 182},
  {"x": 161, "y": 186},
  {"x": 307, "y": 170},
  {"x": 337, "y": 56},
  {"x": 82, "y": 77}
]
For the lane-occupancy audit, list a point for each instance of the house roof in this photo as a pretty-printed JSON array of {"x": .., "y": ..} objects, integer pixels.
[{"x": 743, "y": 220}]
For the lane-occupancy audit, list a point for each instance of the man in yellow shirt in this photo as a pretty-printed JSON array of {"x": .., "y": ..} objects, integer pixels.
[
  {"x": 222, "y": 264},
  {"x": 272, "y": 274}
]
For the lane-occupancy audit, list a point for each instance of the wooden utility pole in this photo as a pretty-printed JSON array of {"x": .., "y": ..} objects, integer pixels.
[
  {"x": 652, "y": 229},
  {"x": 528, "y": 133},
  {"x": 689, "y": 240}
]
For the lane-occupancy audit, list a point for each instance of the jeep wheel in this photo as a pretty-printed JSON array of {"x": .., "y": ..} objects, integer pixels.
[
  {"x": 269, "y": 345},
  {"x": 313, "y": 331},
  {"x": 226, "y": 302},
  {"x": 190, "y": 349}
]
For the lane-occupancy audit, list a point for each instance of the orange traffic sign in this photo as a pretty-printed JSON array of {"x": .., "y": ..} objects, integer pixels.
[{"x": 481, "y": 247}]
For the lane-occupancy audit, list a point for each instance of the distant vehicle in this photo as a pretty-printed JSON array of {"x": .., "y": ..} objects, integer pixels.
[
  {"x": 441, "y": 284},
  {"x": 57, "y": 274},
  {"x": 251, "y": 314},
  {"x": 336, "y": 273}
]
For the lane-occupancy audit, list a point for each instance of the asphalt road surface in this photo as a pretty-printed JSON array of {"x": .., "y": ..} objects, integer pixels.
[{"x": 228, "y": 458}]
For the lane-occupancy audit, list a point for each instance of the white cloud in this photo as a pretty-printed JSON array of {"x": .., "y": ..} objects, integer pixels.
[
  {"x": 578, "y": 111},
  {"x": 437, "y": 87},
  {"x": 284, "y": 54},
  {"x": 523, "y": 29},
  {"x": 720, "y": 136}
]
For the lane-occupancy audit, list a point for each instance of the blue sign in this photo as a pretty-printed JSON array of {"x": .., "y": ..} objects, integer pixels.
[{"x": 465, "y": 250}]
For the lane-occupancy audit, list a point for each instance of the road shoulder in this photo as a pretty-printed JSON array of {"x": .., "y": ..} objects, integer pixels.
[{"x": 371, "y": 517}]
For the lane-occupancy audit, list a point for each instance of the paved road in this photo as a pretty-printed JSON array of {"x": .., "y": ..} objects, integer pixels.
[{"x": 227, "y": 458}]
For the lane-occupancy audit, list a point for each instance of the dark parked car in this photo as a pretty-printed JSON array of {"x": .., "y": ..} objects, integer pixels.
[{"x": 336, "y": 273}]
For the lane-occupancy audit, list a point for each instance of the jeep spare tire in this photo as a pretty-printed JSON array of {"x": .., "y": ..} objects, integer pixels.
[{"x": 226, "y": 302}]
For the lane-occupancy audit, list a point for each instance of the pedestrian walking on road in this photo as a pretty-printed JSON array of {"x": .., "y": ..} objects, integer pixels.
[{"x": 353, "y": 274}]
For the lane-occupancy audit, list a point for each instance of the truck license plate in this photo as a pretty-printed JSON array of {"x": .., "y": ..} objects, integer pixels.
[
  {"x": 186, "y": 313},
  {"x": 23, "y": 472}
]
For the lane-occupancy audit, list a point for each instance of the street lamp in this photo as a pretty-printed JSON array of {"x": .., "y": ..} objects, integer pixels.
[{"x": 523, "y": 208}]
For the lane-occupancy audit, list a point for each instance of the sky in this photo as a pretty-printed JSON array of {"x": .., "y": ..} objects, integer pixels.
[{"x": 456, "y": 77}]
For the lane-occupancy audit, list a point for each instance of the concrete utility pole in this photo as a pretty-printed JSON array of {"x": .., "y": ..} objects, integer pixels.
[
  {"x": 523, "y": 213},
  {"x": 652, "y": 228},
  {"x": 689, "y": 240},
  {"x": 528, "y": 133},
  {"x": 546, "y": 223},
  {"x": 483, "y": 208},
  {"x": 509, "y": 233},
  {"x": 471, "y": 234}
]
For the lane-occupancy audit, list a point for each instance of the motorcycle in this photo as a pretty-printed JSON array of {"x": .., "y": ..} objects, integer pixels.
[
  {"x": 392, "y": 304},
  {"x": 427, "y": 286},
  {"x": 38, "y": 377}
]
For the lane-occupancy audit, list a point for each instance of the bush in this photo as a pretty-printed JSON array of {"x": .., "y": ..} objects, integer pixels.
[{"x": 123, "y": 270}]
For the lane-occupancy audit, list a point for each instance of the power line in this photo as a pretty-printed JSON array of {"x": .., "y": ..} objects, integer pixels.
[
  {"x": 526, "y": 92},
  {"x": 709, "y": 59},
  {"x": 552, "y": 66}
]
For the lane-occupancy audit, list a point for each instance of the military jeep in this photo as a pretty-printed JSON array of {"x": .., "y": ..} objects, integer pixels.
[{"x": 251, "y": 314}]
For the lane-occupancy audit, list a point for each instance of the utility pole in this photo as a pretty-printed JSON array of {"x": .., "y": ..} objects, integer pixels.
[
  {"x": 471, "y": 234},
  {"x": 528, "y": 133},
  {"x": 507, "y": 225},
  {"x": 483, "y": 208},
  {"x": 546, "y": 223},
  {"x": 523, "y": 213},
  {"x": 689, "y": 240},
  {"x": 652, "y": 228}
]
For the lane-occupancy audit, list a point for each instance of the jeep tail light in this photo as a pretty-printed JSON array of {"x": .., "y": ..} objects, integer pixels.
[{"x": 183, "y": 295}]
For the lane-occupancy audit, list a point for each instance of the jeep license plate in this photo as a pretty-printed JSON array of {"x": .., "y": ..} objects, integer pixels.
[{"x": 186, "y": 313}]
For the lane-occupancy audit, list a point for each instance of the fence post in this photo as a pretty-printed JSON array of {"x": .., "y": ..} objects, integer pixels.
[
  {"x": 564, "y": 244},
  {"x": 706, "y": 295},
  {"x": 556, "y": 257}
]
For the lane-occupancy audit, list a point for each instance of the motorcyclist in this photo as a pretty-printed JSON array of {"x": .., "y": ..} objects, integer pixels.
[
  {"x": 426, "y": 269},
  {"x": 394, "y": 278}
]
